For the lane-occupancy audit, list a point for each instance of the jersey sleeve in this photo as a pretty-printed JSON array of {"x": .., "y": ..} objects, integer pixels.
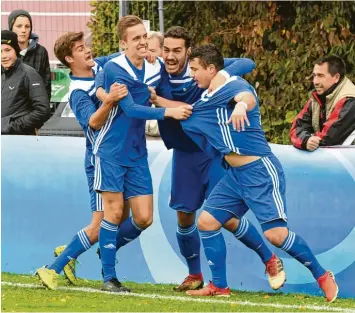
[
  {"x": 238, "y": 66},
  {"x": 133, "y": 110},
  {"x": 238, "y": 86},
  {"x": 99, "y": 80},
  {"x": 101, "y": 61},
  {"x": 82, "y": 106}
]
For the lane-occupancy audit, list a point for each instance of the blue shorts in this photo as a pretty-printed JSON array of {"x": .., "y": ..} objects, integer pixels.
[
  {"x": 259, "y": 186},
  {"x": 95, "y": 198},
  {"x": 113, "y": 177},
  {"x": 194, "y": 175}
]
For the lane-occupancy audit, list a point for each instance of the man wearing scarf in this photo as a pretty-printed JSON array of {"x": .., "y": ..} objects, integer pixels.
[{"x": 328, "y": 118}]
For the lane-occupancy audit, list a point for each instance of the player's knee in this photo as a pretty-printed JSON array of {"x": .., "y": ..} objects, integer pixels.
[
  {"x": 113, "y": 212},
  {"x": 114, "y": 217},
  {"x": 125, "y": 213},
  {"x": 207, "y": 222},
  {"x": 95, "y": 233},
  {"x": 113, "y": 202},
  {"x": 185, "y": 219},
  {"x": 201, "y": 224},
  {"x": 94, "y": 237},
  {"x": 92, "y": 231},
  {"x": 232, "y": 224},
  {"x": 144, "y": 221},
  {"x": 276, "y": 236}
]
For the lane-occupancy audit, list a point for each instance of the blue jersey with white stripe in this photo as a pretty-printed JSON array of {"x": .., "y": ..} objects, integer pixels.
[
  {"x": 84, "y": 103},
  {"x": 183, "y": 88},
  {"x": 122, "y": 138},
  {"x": 210, "y": 116}
]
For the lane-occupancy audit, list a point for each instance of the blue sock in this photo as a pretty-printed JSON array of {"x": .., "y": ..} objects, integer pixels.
[
  {"x": 296, "y": 247},
  {"x": 107, "y": 243},
  {"x": 189, "y": 242},
  {"x": 216, "y": 253},
  {"x": 249, "y": 236},
  {"x": 127, "y": 232},
  {"x": 79, "y": 244}
]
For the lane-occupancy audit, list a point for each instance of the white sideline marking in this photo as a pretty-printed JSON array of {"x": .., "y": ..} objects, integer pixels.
[{"x": 323, "y": 308}]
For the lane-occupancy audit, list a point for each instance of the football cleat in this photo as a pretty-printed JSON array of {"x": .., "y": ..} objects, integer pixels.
[
  {"x": 210, "y": 291},
  {"x": 49, "y": 278},
  {"x": 113, "y": 285},
  {"x": 191, "y": 282},
  {"x": 329, "y": 286},
  {"x": 275, "y": 272},
  {"x": 69, "y": 269}
]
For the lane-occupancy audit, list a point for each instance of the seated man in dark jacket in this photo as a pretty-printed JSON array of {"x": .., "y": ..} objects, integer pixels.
[
  {"x": 24, "y": 99},
  {"x": 328, "y": 118}
]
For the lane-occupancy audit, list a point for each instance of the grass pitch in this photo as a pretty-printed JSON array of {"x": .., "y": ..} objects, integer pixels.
[{"x": 24, "y": 293}]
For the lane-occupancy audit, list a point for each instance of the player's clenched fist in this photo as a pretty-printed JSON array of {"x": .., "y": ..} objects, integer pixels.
[
  {"x": 180, "y": 113},
  {"x": 117, "y": 92},
  {"x": 153, "y": 94}
]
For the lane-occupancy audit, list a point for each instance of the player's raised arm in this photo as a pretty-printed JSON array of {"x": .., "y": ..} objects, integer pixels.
[
  {"x": 238, "y": 66},
  {"x": 135, "y": 110},
  {"x": 232, "y": 67}
]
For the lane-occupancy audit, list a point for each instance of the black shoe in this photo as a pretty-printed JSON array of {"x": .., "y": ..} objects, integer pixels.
[{"x": 114, "y": 285}]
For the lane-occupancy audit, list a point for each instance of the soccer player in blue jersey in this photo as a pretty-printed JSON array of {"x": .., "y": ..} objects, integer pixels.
[
  {"x": 121, "y": 163},
  {"x": 195, "y": 172},
  {"x": 229, "y": 120},
  {"x": 71, "y": 50}
]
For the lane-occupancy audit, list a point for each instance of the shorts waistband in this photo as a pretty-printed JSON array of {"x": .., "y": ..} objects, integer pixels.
[{"x": 249, "y": 165}]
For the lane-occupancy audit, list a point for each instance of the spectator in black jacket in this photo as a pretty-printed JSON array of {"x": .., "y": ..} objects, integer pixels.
[
  {"x": 24, "y": 100},
  {"x": 32, "y": 53}
]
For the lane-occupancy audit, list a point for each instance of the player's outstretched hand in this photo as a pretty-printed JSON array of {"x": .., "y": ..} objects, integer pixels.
[
  {"x": 117, "y": 92},
  {"x": 216, "y": 82},
  {"x": 180, "y": 113},
  {"x": 153, "y": 94},
  {"x": 239, "y": 118}
]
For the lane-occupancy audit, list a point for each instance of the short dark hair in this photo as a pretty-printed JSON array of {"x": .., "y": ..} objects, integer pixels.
[
  {"x": 64, "y": 45},
  {"x": 208, "y": 54},
  {"x": 335, "y": 64},
  {"x": 179, "y": 32}
]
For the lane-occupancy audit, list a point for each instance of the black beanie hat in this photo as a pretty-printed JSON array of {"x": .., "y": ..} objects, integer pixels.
[
  {"x": 10, "y": 38},
  {"x": 15, "y": 14}
]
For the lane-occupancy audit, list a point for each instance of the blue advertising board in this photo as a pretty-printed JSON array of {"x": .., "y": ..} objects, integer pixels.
[{"x": 45, "y": 202}]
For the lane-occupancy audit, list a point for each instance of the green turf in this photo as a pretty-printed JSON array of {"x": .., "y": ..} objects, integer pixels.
[{"x": 29, "y": 300}]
